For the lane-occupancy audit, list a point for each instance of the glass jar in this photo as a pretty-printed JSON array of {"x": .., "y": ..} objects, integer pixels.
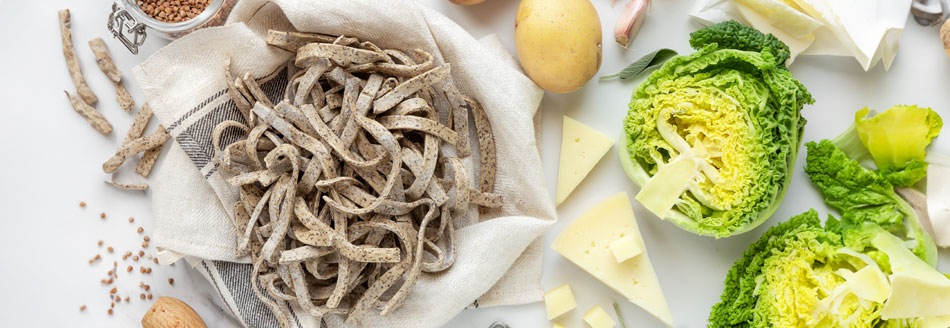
[{"x": 130, "y": 24}]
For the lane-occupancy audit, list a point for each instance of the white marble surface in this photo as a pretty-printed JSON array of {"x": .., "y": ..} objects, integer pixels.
[{"x": 51, "y": 162}]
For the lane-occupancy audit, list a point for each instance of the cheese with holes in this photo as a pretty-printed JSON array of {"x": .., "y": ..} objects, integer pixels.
[
  {"x": 586, "y": 240},
  {"x": 625, "y": 248},
  {"x": 596, "y": 317},
  {"x": 558, "y": 301},
  {"x": 581, "y": 149}
]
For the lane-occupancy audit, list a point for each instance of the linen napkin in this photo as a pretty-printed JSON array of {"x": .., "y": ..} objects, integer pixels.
[{"x": 499, "y": 257}]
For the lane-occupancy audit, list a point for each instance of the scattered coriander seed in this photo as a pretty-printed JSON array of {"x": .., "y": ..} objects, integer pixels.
[
  {"x": 147, "y": 287},
  {"x": 126, "y": 299},
  {"x": 148, "y": 270},
  {"x": 110, "y": 273},
  {"x": 129, "y": 269},
  {"x": 102, "y": 215},
  {"x": 109, "y": 281},
  {"x": 131, "y": 219},
  {"x": 124, "y": 257},
  {"x": 112, "y": 305},
  {"x": 141, "y": 269},
  {"x": 142, "y": 296},
  {"x": 140, "y": 230},
  {"x": 97, "y": 257},
  {"x": 82, "y": 307},
  {"x": 114, "y": 289},
  {"x": 171, "y": 281},
  {"x": 110, "y": 311},
  {"x": 141, "y": 253},
  {"x": 149, "y": 296},
  {"x": 118, "y": 299},
  {"x": 155, "y": 260},
  {"x": 144, "y": 244},
  {"x": 109, "y": 249},
  {"x": 100, "y": 243},
  {"x": 135, "y": 258},
  {"x": 82, "y": 204},
  {"x": 146, "y": 238}
]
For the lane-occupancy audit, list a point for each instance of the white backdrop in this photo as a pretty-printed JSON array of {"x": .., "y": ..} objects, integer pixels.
[{"x": 52, "y": 161}]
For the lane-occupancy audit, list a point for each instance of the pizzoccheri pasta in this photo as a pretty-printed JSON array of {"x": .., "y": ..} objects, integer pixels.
[{"x": 349, "y": 186}]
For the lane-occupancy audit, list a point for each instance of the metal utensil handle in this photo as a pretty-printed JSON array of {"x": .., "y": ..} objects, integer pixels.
[{"x": 126, "y": 29}]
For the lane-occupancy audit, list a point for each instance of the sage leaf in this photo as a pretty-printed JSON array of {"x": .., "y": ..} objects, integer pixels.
[{"x": 638, "y": 68}]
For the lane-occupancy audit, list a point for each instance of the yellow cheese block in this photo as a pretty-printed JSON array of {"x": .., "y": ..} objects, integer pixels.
[
  {"x": 581, "y": 149},
  {"x": 585, "y": 241},
  {"x": 558, "y": 301},
  {"x": 625, "y": 248},
  {"x": 596, "y": 317}
]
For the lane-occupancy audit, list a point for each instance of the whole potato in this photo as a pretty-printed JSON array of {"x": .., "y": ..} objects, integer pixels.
[
  {"x": 558, "y": 42},
  {"x": 466, "y": 2}
]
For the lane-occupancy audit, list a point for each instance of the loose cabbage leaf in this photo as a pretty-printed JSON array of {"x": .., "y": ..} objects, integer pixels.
[
  {"x": 864, "y": 196},
  {"x": 898, "y": 136},
  {"x": 896, "y": 139}
]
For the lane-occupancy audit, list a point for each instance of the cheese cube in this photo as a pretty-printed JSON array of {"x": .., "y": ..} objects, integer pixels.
[
  {"x": 585, "y": 241},
  {"x": 558, "y": 301},
  {"x": 624, "y": 248},
  {"x": 598, "y": 318}
]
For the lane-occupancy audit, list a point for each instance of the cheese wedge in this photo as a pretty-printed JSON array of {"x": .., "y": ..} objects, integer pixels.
[
  {"x": 581, "y": 149},
  {"x": 596, "y": 317},
  {"x": 585, "y": 241},
  {"x": 558, "y": 301}
]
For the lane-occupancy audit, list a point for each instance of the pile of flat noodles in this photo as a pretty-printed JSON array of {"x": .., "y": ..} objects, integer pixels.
[{"x": 349, "y": 185}]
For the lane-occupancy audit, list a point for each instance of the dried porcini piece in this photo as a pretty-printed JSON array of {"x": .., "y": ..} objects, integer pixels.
[
  {"x": 349, "y": 186},
  {"x": 104, "y": 60},
  {"x": 75, "y": 72}
]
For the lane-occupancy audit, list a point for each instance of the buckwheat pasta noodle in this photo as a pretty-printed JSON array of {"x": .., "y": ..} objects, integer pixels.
[
  {"x": 95, "y": 119},
  {"x": 104, "y": 60}
]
